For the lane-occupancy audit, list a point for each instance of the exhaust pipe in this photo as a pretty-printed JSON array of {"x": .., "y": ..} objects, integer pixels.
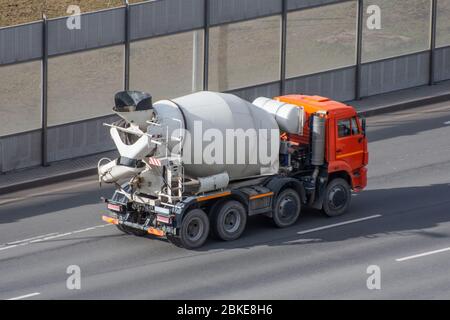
[{"x": 318, "y": 150}]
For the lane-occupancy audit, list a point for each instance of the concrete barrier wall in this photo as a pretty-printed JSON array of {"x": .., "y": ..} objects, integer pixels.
[
  {"x": 80, "y": 138},
  {"x": 395, "y": 74},
  {"x": 163, "y": 17},
  {"x": 251, "y": 93},
  {"x": 226, "y": 11},
  {"x": 442, "y": 64},
  {"x": 98, "y": 29},
  {"x": 336, "y": 84},
  {"x": 20, "y": 151},
  {"x": 21, "y": 43}
]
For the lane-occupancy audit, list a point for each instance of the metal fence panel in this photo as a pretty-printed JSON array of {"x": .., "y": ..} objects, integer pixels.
[
  {"x": 244, "y": 54},
  {"x": 168, "y": 75},
  {"x": 405, "y": 29},
  {"x": 442, "y": 64},
  {"x": 79, "y": 139},
  {"x": 443, "y": 23},
  {"x": 82, "y": 85},
  {"x": 20, "y": 151},
  {"x": 301, "y": 4},
  {"x": 21, "y": 43},
  {"x": 251, "y": 93},
  {"x": 395, "y": 74},
  {"x": 314, "y": 45},
  {"x": 20, "y": 97},
  {"x": 225, "y": 11},
  {"x": 98, "y": 29},
  {"x": 336, "y": 84},
  {"x": 165, "y": 16}
]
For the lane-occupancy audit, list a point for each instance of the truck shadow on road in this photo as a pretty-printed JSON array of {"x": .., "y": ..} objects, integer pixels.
[{"x": 404, "y": 211}]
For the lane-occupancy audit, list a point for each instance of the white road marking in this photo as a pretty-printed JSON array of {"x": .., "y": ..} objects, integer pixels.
[
  {"x": 339, "y": 224},
  {"x": 50, "y": 236},
  {"x": 422, "y": 254},
  {"x": 48, "y": 192},
  {"x": 25, "y": 296},
  {"x": 29, "y": 239},
  {"x": 9, "y": 247},
  {"x": 447, "y": 123}
]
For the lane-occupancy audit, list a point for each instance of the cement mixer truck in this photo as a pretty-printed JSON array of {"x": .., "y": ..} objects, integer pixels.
[{"x": 201, "y": 164}]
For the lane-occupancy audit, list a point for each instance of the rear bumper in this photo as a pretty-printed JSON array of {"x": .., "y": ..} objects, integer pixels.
[{"x": 149, "y": 229}]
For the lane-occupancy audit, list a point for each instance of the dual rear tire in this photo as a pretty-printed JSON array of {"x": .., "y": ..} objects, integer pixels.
[
  {"x": 228, "y": 219},
  {"x": 194, "y": 230},
  {"x": 227, "y": 222}
]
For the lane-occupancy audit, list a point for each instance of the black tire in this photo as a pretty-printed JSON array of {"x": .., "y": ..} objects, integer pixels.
[
  {"x": 228, "y": 220},
  {"x": 337, "y": 198},
  {"x": 174, "y": 240},
  {"x": 194, "y": 230},
  {"x": 287, "y": 208},
  {"x": 134, "y": 232},
  {"x": 214, "y": 208}
]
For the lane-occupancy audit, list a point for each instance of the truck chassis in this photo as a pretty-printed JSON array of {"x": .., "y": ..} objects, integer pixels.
[{"x": 223, "y": 213}]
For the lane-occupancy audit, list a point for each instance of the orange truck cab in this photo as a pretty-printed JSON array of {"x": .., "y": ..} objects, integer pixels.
[{"x": 346, "y": 154}]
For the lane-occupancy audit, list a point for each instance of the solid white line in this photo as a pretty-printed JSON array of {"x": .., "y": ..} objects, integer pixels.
[
  {"x": 25, "y": 296},
  {"x": 29, "y": 239},
  {"x": 447, "y": 123},
  {"x": 422, "y": 254},
  {"x": 49, "y": 236},
  {"x": 339, "y": 224},
  {"x": 9, "y": 247}
]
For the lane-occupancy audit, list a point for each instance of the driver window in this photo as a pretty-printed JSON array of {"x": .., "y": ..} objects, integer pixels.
[{"x": 344, "y": 128}]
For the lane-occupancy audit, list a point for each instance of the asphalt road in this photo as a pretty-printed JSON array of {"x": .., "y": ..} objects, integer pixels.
[{"x": 401, "y": 224}]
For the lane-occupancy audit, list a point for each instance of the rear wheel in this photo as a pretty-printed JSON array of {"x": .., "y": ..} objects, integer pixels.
[
  {"x": 228, "y": 220},
  {"x": 287, "y": 208},
  {"x": 194, "y": 230},
  {"x": 337, "y": 198}
]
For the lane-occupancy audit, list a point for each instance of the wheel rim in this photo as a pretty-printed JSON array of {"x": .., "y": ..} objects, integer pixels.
[
  {"x": 287, "y": 209},
  {"x": 231, "y": 221},
  {"x": 337, "y": 197},
  {"x": 195, "y": 229}
]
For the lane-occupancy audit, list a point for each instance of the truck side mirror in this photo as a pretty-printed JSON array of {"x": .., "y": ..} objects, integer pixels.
[{"x": 363, "y": 126}]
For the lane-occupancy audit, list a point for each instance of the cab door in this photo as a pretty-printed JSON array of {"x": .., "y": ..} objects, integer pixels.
[{"x": 350, "y": 142}]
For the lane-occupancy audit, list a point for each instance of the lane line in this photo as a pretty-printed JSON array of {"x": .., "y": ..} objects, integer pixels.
[
  {"x": 50, "y": 236},
  {"x": 447, "y": 123},
  {"x": 9, "y": 247},
  {"x": 339, "y": 224},
  {"x": 29, "y": 239},
  {"x": 420, "y": 255},
  {"x": 25, "y": 296}
]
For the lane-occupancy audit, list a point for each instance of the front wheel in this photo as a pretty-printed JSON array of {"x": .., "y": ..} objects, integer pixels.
[
  {"x": 194, "y": 230},
  {"x": 287, "y": 208},
  {"x": 337, "y": 198}
]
